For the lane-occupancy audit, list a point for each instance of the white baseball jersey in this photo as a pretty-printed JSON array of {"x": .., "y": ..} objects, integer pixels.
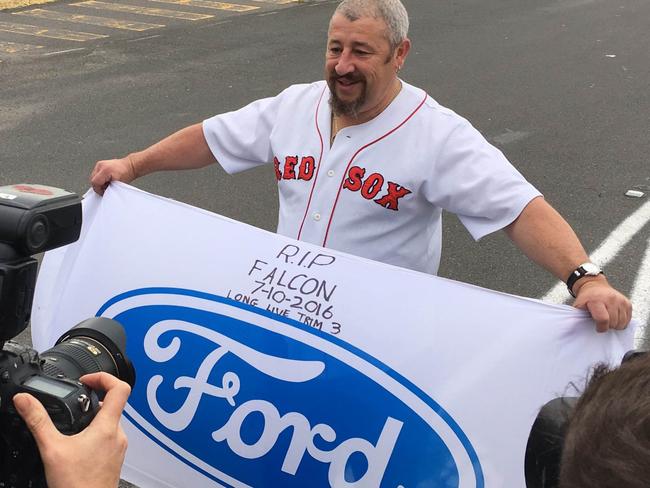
[{"x": 380, "y": 189}]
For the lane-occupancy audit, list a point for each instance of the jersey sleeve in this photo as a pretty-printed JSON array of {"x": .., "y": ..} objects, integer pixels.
[
  {"x": 475, "y": 181},
  {"x": 241, "y": 140}
]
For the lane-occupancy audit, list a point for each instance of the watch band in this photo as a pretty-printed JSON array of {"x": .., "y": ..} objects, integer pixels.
[{"x": 585, "y": 269}]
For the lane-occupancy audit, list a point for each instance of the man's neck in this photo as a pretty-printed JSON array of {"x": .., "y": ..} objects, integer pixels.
[{"x": 366, "y": 116}]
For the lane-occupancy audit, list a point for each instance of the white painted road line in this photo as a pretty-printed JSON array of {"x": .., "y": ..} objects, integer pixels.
[
  {"x": 54, "y": 53},
  {"x": 137, "y": 39},
  {"x": 608, "y": 250},
  {"x": 640, "y": 297}
]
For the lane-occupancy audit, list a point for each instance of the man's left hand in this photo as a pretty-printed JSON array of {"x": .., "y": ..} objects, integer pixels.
[{"x": 609, "y": 308}]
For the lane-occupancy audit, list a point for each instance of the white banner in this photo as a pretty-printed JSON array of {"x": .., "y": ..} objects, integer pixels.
[{"x": 267, "y": 362}]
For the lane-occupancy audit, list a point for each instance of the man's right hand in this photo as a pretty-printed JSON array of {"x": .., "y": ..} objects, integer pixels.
[{"x": 112, "y": 170}]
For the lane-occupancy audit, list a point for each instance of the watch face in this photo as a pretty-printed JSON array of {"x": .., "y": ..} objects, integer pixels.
[{"x": 591, "y": 269}]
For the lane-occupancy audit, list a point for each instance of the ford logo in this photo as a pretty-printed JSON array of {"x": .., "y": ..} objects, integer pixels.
[{"x": 250, "y": 398}]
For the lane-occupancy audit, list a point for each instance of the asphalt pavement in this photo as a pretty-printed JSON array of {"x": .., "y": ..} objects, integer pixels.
[{"x": 560, "y": 86}]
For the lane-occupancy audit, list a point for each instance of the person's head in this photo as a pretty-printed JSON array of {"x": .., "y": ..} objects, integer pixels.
[
  {"x": 367, "y": 44},
  {"x": 607, "y": 443}
]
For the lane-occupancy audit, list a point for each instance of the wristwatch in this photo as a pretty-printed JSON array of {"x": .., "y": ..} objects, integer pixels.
[{"x": 585, "y": 269}]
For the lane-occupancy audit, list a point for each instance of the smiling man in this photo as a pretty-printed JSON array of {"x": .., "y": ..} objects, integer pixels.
[
  {"x": 363, "y": 57},
  {"x": 365, "y": 163}
]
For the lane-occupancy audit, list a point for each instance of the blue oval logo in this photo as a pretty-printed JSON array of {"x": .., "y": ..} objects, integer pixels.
[{"x": 262, "y": 400}]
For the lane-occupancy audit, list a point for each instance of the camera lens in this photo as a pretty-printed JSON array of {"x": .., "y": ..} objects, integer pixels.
[
  {"x": 38, "y": 233},
  {"x": 96, "y": 344}
]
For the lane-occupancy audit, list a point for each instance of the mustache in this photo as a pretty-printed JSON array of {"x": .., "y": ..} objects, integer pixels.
[{"x": 349, "y": 77}]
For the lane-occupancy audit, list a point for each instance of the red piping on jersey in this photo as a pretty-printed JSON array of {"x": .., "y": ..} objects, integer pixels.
[
  {"x": 320, "y": 158},
  {"x": 355, "y": 155}
]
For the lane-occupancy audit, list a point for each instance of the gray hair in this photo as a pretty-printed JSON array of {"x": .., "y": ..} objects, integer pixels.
[{"x": 392, "y": 12}]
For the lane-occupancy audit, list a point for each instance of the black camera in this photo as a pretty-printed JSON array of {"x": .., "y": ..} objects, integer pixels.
[
  {"x": 34, "y": 219},
  {"x": 542, "y": 462}
]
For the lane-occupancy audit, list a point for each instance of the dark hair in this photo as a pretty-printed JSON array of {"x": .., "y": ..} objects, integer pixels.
[{"x": 607, "y": 443}]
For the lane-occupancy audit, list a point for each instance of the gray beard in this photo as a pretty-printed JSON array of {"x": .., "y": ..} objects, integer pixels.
[{"x": 347, "y": 109}]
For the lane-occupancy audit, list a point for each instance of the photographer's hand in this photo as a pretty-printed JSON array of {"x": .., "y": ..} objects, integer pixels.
[{"x": 97, "y": 452}]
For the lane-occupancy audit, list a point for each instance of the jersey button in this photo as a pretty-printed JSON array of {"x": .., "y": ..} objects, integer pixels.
[
  {"x": 316, "y": 216},
  {"x": 330, "y": 173}
]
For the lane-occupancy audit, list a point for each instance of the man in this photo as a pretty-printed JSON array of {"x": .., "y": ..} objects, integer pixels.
[
  {"x": 93, "y": 457},
  {"x": 607, "y": 442},
  {"x": 370, "y": 172}
]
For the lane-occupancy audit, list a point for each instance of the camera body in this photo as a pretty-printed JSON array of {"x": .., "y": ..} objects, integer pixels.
[
  {"x": 33, "y": 219},
  {"x": 69, "y": 403}
]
